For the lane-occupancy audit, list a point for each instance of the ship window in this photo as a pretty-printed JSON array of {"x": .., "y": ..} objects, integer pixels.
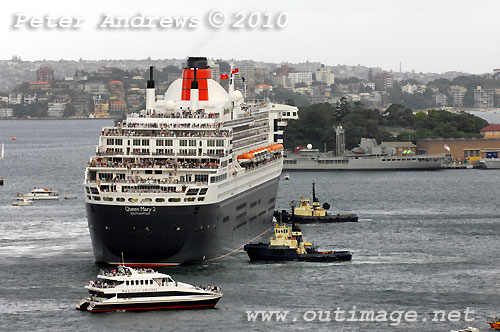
[
  {"x": 192, "y": 142},
  {"x": 158, "y": 172},
  {"x": 203, "y": 191},
  {"x": 160, "y": 199},
  {"x": 148, "y": 171},
  {"x": 201, "y": 198},
  {"x": 108, "y": 199},
  {"x": 241, "y": 206},
  {"x": 147, "y": 199},
  {"x": 137, "y": 282},
  {"x": 160, "y": 142},
  {"x": 174, "y": 199},
  {"x": 220, "y": 142},
  {"x": 192, "y": 192},
  {"x": 96, "y": 198},
  {"x": 132, "y": 199},
  {"x": 169, "y": 142},
  {"x": 211, "y": 142},
  {"x": 89, "y": 197},
  {"x": 142, "y": 282},
  {"x": 145, "y": 142},
  {"x": 94, "y": 190},
  {"x": 136, "y": 142},
  {"x": 183, "y": 142},
  {"x": 189, "y": 199},
  {"x": 126, "y": 282},
  {"x": 120, "y": 199},
  {"x": 88, "y": 190}
]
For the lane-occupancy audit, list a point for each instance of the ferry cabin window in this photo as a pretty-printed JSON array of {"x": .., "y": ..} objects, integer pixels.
[
  {"x": 220, "y": 142},
  {"x": 203, "y": 191},
  {"x": 160, "y": 142},
  {"x": 201, "y": 178},
  {"x": 192, "y": 192},
  {"x": 211, "y": 142},
  {"x": 145, "y": 142},
  {"x": 192, "y": 142},
  {"x": 183, "y": 142},
  {"x": 110, "y": 141},
  {"x": 136, "y": 142},
  {"x": 169, "y": 142},
  {"x": 118, "y": 141}
]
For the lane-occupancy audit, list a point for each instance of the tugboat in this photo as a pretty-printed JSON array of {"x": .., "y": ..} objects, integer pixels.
[
  {"x": 126, "y": 288},
  {"x": 306, "y": 213},
  {"x": 287, "y": 245}
]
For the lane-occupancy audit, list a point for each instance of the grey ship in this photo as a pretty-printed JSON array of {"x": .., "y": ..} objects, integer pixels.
[
  {"x": 191, "y": 178},
  {"x": 372, "y": 157}
]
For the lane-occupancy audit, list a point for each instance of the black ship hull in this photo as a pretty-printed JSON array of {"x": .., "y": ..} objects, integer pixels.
[
  {"x": 171, "y": 235},
  {"x": 264, "y": 252},
  {"x": 180, "y": 304},
  {"x": 289, "y": 218}
]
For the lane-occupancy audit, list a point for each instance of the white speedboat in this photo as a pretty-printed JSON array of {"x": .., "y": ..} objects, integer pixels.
[
  {"x": 126, "y": 288},
  {"x": 469, "y": 329},
  {"x": 22, "y": 201},
  {"x": 41, "y": 193},
  {"x": 286, "y": 177}
]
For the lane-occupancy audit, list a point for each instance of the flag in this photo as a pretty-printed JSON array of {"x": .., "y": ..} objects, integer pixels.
[
  {"x": 224, "y": 76},
  {"x": 235, "y": 70},
  {"x": 446, "y": 147}
]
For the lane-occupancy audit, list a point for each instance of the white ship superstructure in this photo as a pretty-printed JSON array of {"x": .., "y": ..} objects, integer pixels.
[{"x": 190, "y": 178}]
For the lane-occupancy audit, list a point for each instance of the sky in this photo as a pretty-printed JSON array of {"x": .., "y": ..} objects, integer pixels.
[{"x": 427, "y": 36}]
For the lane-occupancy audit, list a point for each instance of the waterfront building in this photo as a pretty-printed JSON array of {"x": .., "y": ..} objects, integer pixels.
[{"x": 491, "y": 131}]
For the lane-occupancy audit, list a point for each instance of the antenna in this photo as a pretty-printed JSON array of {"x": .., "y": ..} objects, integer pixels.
[{"x": 123, "y": 261}]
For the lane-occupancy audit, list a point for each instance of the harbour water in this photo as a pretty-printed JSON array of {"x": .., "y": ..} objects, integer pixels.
[{"x": 425, "y": 241}]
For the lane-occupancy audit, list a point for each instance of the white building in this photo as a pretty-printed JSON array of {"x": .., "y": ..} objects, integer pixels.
[
  {"x": 15, "y": 98},
  {"x": 56, "y": 110},
  {"x": 325, "y": 75},
  {"x": 457, "y": 93},
  {"x": 300, "y": 77},
  {"x": 6, "y": 112},
  {"x": 215, "y": 70},
  {"x": 441, "y": 99}
]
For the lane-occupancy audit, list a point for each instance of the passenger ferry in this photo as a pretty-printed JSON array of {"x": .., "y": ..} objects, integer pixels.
[
  {"x": 40, "y": 193},
  {"x": 126, "y": 288},
  {"x": 191, "y": 178}
]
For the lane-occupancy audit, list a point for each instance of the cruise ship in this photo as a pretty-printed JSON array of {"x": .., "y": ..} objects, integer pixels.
[
  {"x": 367, "y": 156},
  {"x": 191, "y": 178}
]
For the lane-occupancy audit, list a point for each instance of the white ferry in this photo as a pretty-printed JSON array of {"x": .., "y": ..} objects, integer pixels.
[
  {"x": 40, "y": 193},
  {"x": 126, "y": 288},
  {"x": 191, "y": 178}
]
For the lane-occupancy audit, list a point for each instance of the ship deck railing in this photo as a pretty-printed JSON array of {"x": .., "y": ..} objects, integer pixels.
[
  {"x": 199, "y": 114},
  {"x": 168, "y": 133},
  {"x": 171, "y": 165},
  {"x": 172, "y": 126},
  {"x": 146, "y": 182}
]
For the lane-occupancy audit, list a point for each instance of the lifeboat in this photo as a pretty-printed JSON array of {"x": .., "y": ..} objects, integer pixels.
[{"x": 260, "y": 153}]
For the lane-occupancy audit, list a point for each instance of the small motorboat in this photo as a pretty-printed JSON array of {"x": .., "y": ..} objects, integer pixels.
[
  {"x": 70, "y": 197},
  {"x": 469, "y": 329},
  {"x": 126, "y": 288},
  {"x": 286, "y": 177},
  {"x": 41, "y": 193},
  {"x": 22, "y": 201},
  {"x": 287, "y": 244}
]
